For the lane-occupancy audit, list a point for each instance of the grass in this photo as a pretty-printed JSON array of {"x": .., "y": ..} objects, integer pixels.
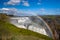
[{"x": 19, "y": 33}]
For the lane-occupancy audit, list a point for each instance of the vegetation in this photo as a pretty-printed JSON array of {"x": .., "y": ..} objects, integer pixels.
[
  {"x": 4, "y": 17},
  {"x": 54, "y": 23},
  {"x": 11, "y": 32},
  {"x": 55, "y": 18}
]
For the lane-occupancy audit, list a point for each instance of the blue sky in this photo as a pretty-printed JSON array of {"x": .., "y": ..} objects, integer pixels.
[{"x": 39, "y": 7}]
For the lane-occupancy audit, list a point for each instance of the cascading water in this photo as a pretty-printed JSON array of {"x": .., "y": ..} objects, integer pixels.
[{"x": 34, "y": 23}]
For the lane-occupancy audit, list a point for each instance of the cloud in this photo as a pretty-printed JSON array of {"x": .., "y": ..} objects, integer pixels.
[
  {"x": 18, "y": 12},
  {"x": 57, "y": 11},
  {"x": 39, "y": 2},
  {"x": 4, "y": 9},
  {"x": 13, "y": 2},
  {"x": 16, "y": 2},
  {"x": 8, "y": 10},
  {"x": 44, "y": 11},
  {"x": 41, "y": 11},
  {"x": 25, "y": 3}
]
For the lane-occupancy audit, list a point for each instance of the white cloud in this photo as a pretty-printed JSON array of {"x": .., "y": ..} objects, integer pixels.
[
  {"x": 14, "y": 11},
  {"x": 42, "y": 9},
  {"x": 25, "y": 3},
  {"x": 13, "y": 2},
  {"x": 19, "y": 12},
  {"x": 39, "y": 2},
  {"x": 8, "y": 10},
  {"x": 57, "y": 11},
  {"x": 4, "y": 9}
]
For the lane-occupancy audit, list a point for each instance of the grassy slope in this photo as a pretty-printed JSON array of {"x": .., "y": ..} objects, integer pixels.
[{"x": 7, "y": 28}]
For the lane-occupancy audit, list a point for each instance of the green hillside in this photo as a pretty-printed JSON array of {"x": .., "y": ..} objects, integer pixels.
[{"x": 11, "y": 32}]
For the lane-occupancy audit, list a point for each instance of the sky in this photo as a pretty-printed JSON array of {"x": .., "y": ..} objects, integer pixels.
[{"x": 30, "y": 7}]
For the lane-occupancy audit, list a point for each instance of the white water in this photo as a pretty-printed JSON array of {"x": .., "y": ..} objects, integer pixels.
[{"x": 36, "y": 27}]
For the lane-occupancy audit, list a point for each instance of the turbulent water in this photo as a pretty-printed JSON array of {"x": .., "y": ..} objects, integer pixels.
[{"x": 32, "y": 23}]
